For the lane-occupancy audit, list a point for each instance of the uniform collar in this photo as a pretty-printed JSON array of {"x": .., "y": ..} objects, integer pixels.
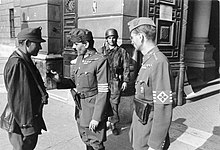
[
  {"x": 150, "y": 53},
  {"x": 113, "y": 49},
  {"x": 90, "y": 52}
]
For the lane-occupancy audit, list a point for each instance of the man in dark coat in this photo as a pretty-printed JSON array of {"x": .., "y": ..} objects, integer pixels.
[{"x": 26, "y": 92}]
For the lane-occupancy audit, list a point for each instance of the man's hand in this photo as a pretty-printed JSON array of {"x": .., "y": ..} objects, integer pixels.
[
  {"x": 124, "y": 86},
  {"x": 93, "y": 125},
  {"x": 56, "y": 76}
]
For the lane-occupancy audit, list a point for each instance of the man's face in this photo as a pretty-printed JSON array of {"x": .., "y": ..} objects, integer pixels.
[
  {"x": 112, "y": 40},
  {"x": 80, "y": 47},
  {"x": 135, "y": 40},
  {"x": 33, "y": 48}
]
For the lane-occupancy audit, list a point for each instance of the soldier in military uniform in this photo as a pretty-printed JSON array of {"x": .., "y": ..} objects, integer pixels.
[
  {"x": 153, "y": 89},
  {"x": 90, "y": 78},
  {"x": 118, "y": 59}
]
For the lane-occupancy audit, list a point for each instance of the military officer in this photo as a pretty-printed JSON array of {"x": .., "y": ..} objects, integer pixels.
[
  {"x": 90, "y": 78},
  {"x": 118, "y": 59},
  {"x": 153, "y": 87}
]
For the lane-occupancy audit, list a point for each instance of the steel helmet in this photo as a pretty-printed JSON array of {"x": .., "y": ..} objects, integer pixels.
[{"x": 111, "y": 32}]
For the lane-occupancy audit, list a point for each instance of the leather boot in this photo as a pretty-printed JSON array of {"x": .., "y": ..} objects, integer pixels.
[
  {"x": 89, "y": 147},
  {"x": 115, "y": 130}
]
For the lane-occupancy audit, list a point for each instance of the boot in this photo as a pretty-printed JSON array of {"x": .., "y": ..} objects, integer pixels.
[
  {"x": 89, "y": 147},
  {"x": 115, "y": 130}
]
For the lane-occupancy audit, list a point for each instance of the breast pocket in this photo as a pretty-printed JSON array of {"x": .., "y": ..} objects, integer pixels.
[
  {"x": 87, "y": 79},
  {"x": 140, "y": 89},
  {"x": 144, "y": 89}
]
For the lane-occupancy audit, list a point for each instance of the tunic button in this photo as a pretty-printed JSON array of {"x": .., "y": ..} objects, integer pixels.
[
  {"x": 77, "y": 84},
  {"x": 79, "y": 67}
]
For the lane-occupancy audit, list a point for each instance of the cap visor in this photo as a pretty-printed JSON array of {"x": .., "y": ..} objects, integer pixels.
[{"x": 38, "y": 40}]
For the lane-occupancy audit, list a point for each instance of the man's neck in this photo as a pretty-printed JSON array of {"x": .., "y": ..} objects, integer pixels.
[
  {"x": 112, "y": 46},
  {"x": 147, "y": 47},
  {"x": 23, "y": 49}
]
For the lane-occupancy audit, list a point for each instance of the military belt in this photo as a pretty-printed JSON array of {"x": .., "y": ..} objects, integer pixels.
[{"x": 87, "y": 94}]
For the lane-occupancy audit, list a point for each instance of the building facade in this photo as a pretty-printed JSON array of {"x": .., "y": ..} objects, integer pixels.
[{"x": 188, "y": 30}]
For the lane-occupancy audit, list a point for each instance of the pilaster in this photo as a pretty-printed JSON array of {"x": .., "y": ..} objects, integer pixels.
[{"x": 199, "y": 52}]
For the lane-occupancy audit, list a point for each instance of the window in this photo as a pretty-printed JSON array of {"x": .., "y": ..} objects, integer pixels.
[{"x": 12, "y": 24}]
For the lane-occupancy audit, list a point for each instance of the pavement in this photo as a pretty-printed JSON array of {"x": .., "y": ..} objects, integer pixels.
[{"x": 195, "y": 125}]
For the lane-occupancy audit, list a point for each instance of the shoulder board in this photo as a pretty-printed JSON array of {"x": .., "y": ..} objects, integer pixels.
[{"x": 95, "y": 57}]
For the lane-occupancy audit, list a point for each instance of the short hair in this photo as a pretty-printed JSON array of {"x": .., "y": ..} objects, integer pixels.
[
  {"x": 91, "y": 43},
  {"x": 148, "y": 30}
]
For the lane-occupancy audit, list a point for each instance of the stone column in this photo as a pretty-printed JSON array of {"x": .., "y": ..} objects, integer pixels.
[{"x": 199, "y": 52}]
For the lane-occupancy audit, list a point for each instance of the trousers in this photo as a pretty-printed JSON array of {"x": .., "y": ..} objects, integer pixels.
[
  {"x": 20, "y": 142},
  {"x": 93, "y": 140}
]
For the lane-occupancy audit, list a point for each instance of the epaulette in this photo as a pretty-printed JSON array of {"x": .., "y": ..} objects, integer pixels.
[{"x": 155, "y": 56}]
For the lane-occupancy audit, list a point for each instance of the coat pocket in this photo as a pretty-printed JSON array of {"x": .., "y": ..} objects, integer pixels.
[{"x": 87, "y": 79}]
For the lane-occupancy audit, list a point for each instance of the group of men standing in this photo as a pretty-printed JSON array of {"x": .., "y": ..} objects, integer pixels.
[{"x": 98, "y": 79}]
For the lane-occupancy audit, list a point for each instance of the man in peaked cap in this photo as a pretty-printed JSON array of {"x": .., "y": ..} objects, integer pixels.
[
  {"x": 26, "y": 96},
  {"x": 90, "y": 78},
  {"x": 153, "y": 90}
]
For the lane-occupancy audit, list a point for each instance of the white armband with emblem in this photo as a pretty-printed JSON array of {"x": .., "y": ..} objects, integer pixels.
[{"x": 162, "y": 97}]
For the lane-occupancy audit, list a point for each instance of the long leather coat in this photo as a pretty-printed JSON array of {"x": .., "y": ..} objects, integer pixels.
[{"x": 24, "y": 97}]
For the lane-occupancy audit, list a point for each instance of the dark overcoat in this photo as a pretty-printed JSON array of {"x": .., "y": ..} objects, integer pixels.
[{"x": 23, "y": 95}]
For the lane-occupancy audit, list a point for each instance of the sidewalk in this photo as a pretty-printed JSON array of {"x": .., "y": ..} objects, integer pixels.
[{"x": 195, "y": 125}]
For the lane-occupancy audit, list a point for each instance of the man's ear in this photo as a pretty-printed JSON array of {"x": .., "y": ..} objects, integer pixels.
[
  {"x": 86, "y": 44},
  {"x": 28, "y": 43},
  {"x": 142, "y": 37}
]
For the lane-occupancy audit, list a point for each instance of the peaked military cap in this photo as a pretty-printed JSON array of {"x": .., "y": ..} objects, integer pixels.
[
  {"x": 32, "y": 34},
  {"x": 80, "y": 35},
  {"x": 140, "y": 21}
]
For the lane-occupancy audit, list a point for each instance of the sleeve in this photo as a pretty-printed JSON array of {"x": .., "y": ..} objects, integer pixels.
[
  {"x": 66, "y": 83},
  {"x": 162, "y": 96},
  {"x": 102, "y": 81},
  {"x": 19, "y": 97},
  {"x": 126, "y": 65}
]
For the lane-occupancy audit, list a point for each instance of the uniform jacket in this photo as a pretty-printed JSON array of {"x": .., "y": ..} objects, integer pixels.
[
  {"x": 24, "y": 97},
  {"x": 90, "y": 77},
  {"x": 118, "y": 60},
  {"x": 154, "y": 85}
]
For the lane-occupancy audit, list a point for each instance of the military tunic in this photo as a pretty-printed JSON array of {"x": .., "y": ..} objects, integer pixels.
[
  {"x": 119, "y": 72},
  {"x": 91, "y": 80},
  {"x": 154, "y": 86}
]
